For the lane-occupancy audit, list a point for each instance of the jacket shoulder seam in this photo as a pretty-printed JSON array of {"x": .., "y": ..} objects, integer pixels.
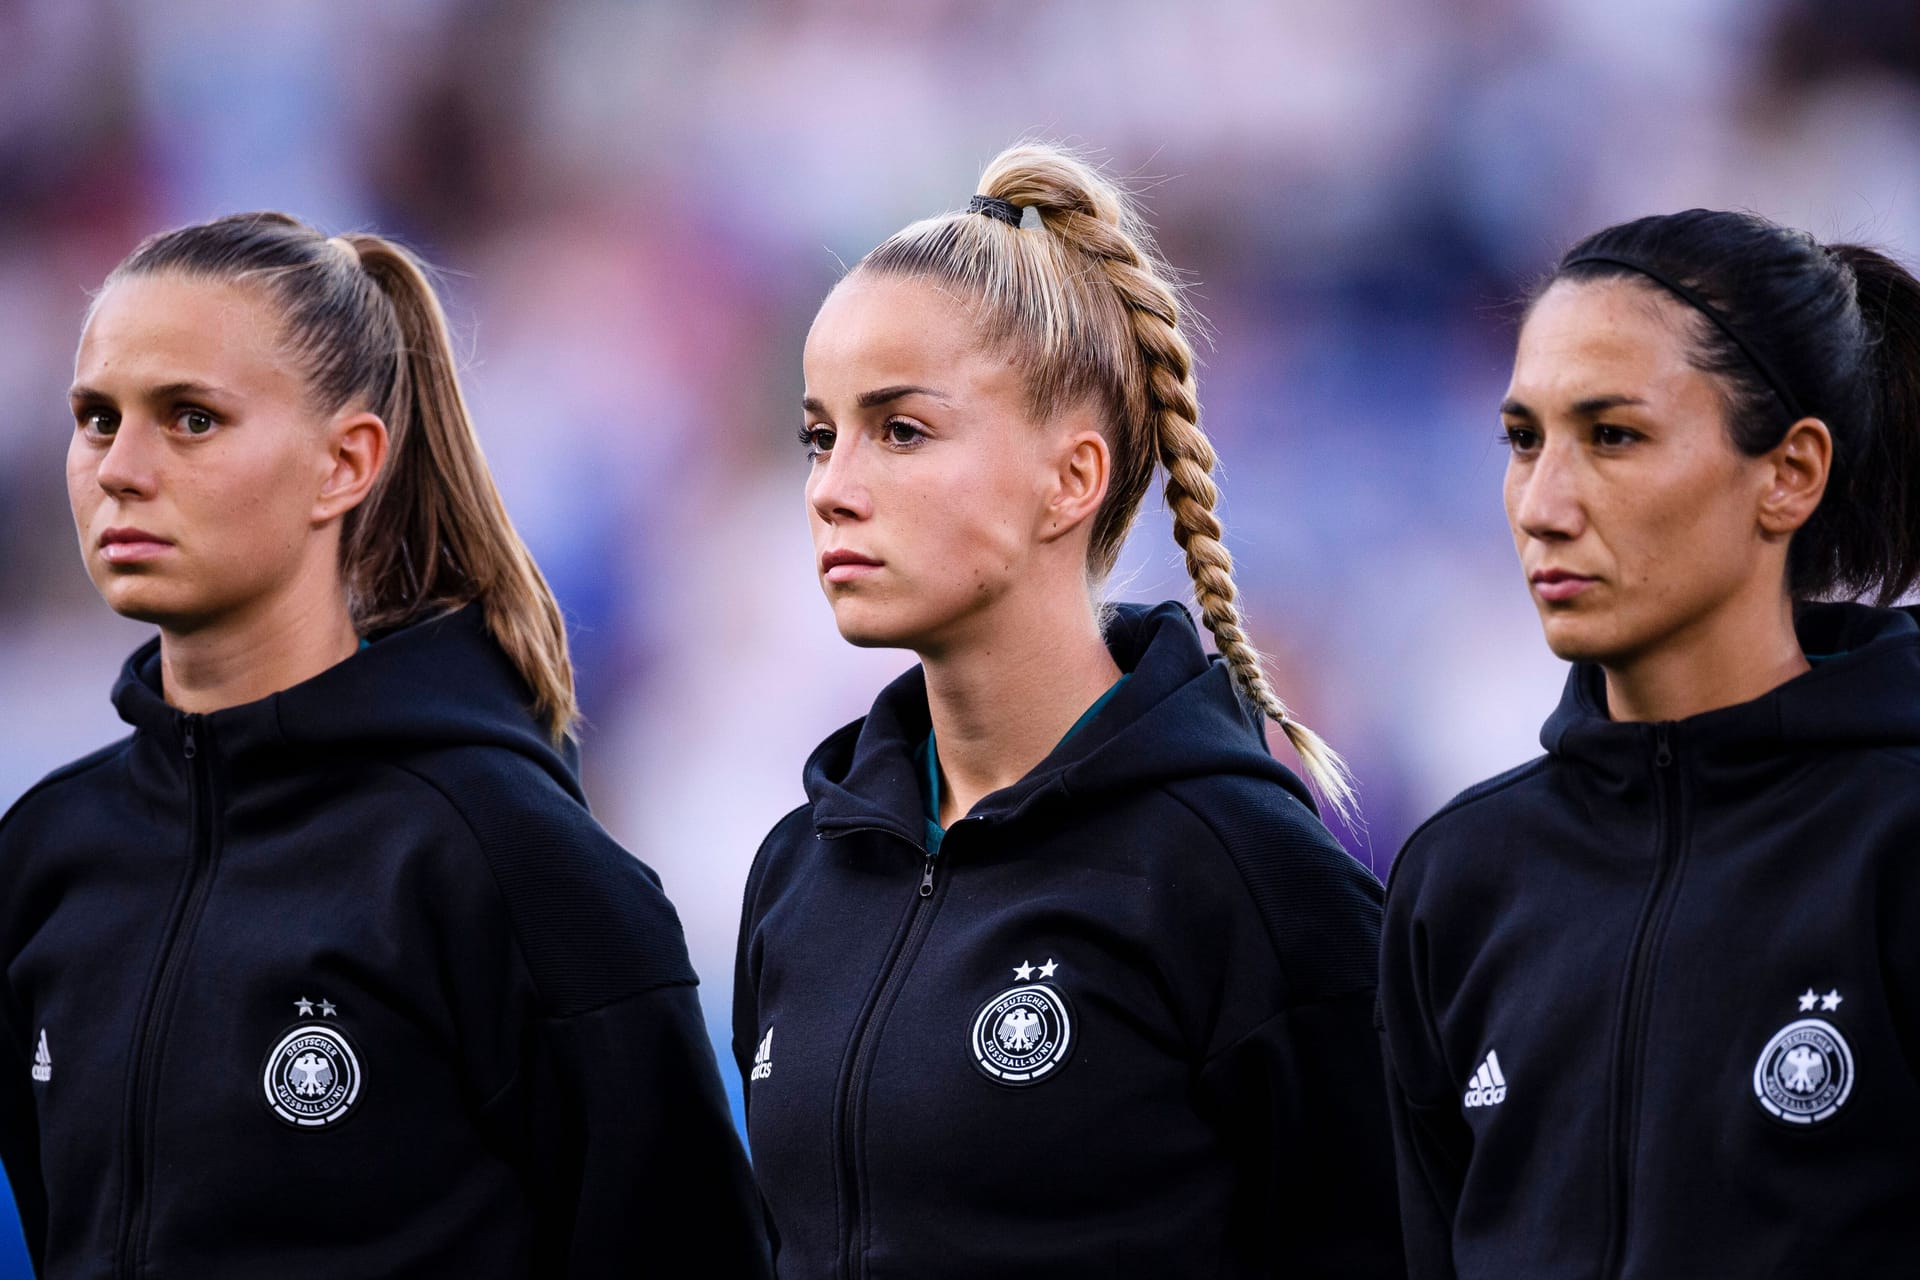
[
  {"x": 67, "y": 773},
  {"x": 1292, "y": 1006},
  {"x": 1466, "y": 799},
  {"x": 1226, "y": 848},
  {"x": 756, "y": 870},
  {"x": 513, "y": 925}
]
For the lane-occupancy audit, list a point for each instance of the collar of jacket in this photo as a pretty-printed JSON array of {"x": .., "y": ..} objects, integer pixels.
[
  {"x": 1180, "y": 716},
  {"x": 1864, "y": 692},
  {"x": 442, "y": 682}
]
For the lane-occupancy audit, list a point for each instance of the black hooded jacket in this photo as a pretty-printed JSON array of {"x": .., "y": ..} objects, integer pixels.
[
  {"x": 347, "y": 982},
  {"x": 1119, "y": 1026},
  {"x": 1652, "y": 1002}
]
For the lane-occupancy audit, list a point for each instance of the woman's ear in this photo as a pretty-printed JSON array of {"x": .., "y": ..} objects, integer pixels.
[
  {"x": 356, "y": 450},
  {"x": 1798, "y": 470},
  {"x": 1081, "y": 467}
]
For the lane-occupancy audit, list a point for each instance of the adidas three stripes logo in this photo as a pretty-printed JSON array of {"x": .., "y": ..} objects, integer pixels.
[{"x": 1488, "y": 1086}]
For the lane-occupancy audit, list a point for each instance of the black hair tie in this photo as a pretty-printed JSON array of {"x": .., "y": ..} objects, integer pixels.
[
  {"x": 999, "y": 210},
  {"x": 1760, "y": 363}
]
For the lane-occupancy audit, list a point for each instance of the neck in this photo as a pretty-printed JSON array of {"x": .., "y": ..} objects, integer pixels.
[
  {"x": 1730, "y": 659},
  {"x": 273, "y": 646},
  {"x": 1000, "y": 705}
]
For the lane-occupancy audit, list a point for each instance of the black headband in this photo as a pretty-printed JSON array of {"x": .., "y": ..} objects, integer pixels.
[
  {"x": 999, "y": 210},
  {"x": 1700, "y": 304}
]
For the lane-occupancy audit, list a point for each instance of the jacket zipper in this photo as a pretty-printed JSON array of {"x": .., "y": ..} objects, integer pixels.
[
  {"x": 204, "y": 841},
  {"x": 1631, "y": 1046},
  {"x": 849, "y": 1107}
]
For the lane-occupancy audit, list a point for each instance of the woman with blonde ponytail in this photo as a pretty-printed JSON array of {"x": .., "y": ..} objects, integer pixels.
[
  {"x": 326, "y": 970},
  {"x": 1056, "y": 973}
]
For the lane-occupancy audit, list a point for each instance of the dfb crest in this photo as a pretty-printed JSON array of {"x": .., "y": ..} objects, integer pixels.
[
  {"x": 1805, "y": 1073},
  {"x": 312, "y": 1076},
  {"x": 1021, "y": 1036}
]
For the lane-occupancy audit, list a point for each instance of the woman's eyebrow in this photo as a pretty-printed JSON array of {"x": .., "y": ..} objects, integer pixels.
[
  {"x": 1591, "y": 407},
  {"x": 1594, "y": 405},
  {"x": 874, "y": 399},
  {"x": 886, "y": 395},
  {"x": 166, "y": 391}
]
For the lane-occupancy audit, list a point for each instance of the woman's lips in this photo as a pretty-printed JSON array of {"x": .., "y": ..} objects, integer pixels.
[
  {"x": 1556, "y": 586},
  {"x": 132, "y": 546},
  {"x": 845, "y": 566}
]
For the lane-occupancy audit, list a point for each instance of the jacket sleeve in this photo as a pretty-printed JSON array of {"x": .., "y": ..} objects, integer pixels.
[
  {"x": 1284, "y": 937},
  {"x": 605, "y": 1091},
  {"x": 746, "y": 1003},
  {"x": 20, "y": 1139},
  {"x": 1431, "y": 1168},
  {"x": 637, "y": 1166},
  {"x": 1432, "y": 1143},
  {"x": 1300, "y": 1098},
  {"x": 19, "y": 1117}
]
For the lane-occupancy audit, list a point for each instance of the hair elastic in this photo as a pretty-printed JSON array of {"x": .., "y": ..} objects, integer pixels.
[
  {"x": 994, "y": 207},
  {"x": 1700, "y": 304}
]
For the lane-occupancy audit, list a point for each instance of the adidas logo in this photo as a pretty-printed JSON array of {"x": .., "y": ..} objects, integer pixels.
[
  {"x": 763, "y": 1058},
  {"x": 42, "y": 1060},
  {"x": 1488, "y": 1087}
]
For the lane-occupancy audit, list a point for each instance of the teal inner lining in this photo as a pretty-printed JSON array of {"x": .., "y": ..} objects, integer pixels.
[{"x": 927, "y": 759}]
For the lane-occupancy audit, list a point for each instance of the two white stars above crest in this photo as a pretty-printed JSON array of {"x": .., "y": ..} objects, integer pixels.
[
  {"x": 1026, "y": 971},
  {"x": 327, "y": 1008},
  {"x": 1828, "y": 1002}
]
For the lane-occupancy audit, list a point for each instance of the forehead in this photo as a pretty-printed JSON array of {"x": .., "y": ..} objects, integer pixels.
[
  {"x": 888, "y": 331},
  {"x": 156, "y": 330},
  {"x": 1622, "y": 333}
]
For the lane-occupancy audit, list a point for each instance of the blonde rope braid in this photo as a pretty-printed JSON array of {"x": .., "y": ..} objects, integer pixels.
[{"x": 1188, "y": 457}]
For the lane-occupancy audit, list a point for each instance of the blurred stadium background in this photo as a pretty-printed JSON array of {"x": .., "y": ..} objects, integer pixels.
[{"x": 638, "y": 206}]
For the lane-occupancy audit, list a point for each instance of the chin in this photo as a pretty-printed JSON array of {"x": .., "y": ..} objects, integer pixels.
[
  {"x": 1577, "y": 639},
  {"x": 147, "y": 599},
  {"x": 873, "y": 624}
]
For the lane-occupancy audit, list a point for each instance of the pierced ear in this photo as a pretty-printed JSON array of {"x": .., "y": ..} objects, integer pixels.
[
  {"x": 356, "y": 450},
  {"x": 1083, "y": 465},
  {"x": 1800, "y": 465}
]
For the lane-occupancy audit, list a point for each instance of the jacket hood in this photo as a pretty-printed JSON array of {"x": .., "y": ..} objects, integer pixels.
[
  {"x": 1180, "y": 716},
  {"x": 443, "y": 682},
  {"x": 1863, "y": 691}
]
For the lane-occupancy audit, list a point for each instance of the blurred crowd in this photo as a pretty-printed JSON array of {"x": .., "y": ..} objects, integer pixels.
[{"x": 637, "y": 204}]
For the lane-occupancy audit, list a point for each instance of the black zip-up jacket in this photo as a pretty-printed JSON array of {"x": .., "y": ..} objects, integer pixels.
[
  {"x": 1118, "y": 1026},
  {"x": 347, "y": 982},
  {"x": 1652, "y": 1002}
]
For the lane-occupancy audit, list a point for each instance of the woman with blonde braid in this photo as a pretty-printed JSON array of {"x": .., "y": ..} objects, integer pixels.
[{"x": 1056, "y": 973}]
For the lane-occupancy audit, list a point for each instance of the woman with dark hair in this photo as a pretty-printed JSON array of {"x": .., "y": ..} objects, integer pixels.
[
  {"x": 326, "y": 970},
  {"x": 1056, "y": 973},
  {"x": 1651, "y": 1002}
]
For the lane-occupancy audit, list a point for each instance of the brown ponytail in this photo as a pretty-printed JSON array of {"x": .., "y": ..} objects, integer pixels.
[
  {"x": 433, "y": 535},
  {"x": 1116, "y": 335}
]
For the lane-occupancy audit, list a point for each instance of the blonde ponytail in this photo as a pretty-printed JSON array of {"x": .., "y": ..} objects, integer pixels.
[
  {"x": 433, "y": 535},
  {"x": 1115, "y": 335}
]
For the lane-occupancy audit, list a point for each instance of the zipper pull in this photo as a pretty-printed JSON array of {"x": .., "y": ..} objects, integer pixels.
[
  {"x": 189, "y": 747},
  {"x": 1663, "y": 747},
  {"x": 926, "y": 879}
]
